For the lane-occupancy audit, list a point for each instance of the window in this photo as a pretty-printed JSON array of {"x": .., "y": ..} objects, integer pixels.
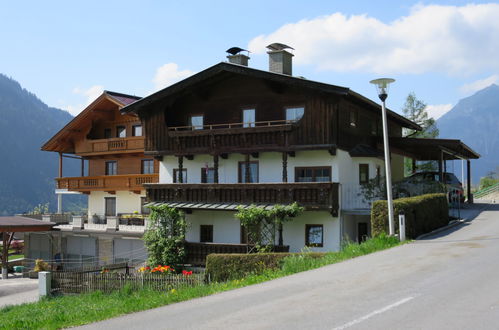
[
  {"x": 313, "y": 174},
  {"x": 353, "y": 118},
  {"x": 197, "y": 122},
  {"x": 208, "y": 175},
  {"x": 176, "y": 173},
  {"x": 111, "y": 167},
  {"x": 147, "y": 166},
  {"x": 314, "y": 235},
  {"x": 206, "y": 234},
  {"x": 249, "y": 118},
  {"x": 294, "y": 114},
  {"x": 253, "y": 172},
  {"x": 363, "y": 173},
  {"x": 137, "y": 130},
  {"x": 143, "y": 209},
  {"x": 107, "y": 133},
  {"x": 110, "y": 205},
  {"x": 120, "y": 131}
]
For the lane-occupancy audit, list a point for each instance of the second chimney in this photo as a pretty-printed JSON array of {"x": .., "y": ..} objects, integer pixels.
[{"x": 280, "y": 60}]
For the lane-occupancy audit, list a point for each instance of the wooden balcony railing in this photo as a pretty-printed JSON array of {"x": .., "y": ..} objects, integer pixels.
[
  {"x": 128, "y": 144},
  {"x": 132, "y": 182},
  {"x": 312, "y": 195},
  {"x": 229, "y": 137}
]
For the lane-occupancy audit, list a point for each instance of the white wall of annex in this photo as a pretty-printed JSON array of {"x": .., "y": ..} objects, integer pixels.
[
  {"x": 226, "y": 228},
  {"x": 126, "y": 202}
]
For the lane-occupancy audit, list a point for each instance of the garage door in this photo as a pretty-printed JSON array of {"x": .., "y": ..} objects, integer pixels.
[
  {"x": 129, "y": 250},
  {"x": 39, "y": 247},
  {"x": 80, "y": 251}
]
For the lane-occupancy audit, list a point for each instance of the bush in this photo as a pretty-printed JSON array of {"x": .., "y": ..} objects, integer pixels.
[
  {"x": 224, "y": 267},
  {"x": 422, "y": 214}
]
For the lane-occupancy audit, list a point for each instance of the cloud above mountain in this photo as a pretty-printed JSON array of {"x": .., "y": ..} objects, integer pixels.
[{"x": 455, "y": 40}]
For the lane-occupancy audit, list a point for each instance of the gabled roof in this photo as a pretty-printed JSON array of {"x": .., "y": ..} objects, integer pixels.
[
  {"x": 231, "y": 68},
  {"x": 121, "y": 100}
]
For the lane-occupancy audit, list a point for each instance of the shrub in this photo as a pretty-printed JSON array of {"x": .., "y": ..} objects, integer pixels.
[
  {"x": 41, "y": 266},
  {"x": 224, "y": 267},
  {"x": 422, "y": 214}
]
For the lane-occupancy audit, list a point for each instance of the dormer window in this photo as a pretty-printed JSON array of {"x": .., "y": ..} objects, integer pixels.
[
  {"x": 294, "y": 114},
  {"x": 137, "y": 130},
  {"x": 249, "y": 118},
  {"x": 197, "y": 122}
]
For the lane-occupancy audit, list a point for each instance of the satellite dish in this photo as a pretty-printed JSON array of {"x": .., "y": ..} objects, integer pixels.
[
  {"x": 278, "y": 46},
  {"x": 235, "y": 50}
]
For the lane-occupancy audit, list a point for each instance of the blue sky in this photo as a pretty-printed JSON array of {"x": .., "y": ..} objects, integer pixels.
[{"x": 66, "y": 52}]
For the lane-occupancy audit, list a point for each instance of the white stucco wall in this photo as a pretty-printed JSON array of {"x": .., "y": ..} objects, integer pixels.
[
  {"x": 126, "y": 202},
  {"x": 227, "y": 229}
]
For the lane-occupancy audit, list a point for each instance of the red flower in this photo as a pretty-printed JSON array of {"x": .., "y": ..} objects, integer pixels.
[{"x": 186, "y": 273}]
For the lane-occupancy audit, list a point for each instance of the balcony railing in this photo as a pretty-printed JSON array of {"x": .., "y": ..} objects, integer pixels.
[
  {"x": 130, "y": 182},
  {"x": 128, "y": 144},
  {"x": 312, "y": 195},
  {"x": 229, "y": 137}
]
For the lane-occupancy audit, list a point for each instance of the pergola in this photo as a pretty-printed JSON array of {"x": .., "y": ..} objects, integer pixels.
[
  {"x": 11, "y": 225},
  {"x": 436, "y": 149}
]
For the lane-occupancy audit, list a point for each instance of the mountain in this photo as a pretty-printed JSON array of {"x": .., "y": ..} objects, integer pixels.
[
  {"x": 475, "y": 121},
  {"x": 26, "y": 173}
]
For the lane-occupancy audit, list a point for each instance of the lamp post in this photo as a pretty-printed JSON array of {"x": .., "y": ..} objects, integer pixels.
[{"x": 382, "y": 85}]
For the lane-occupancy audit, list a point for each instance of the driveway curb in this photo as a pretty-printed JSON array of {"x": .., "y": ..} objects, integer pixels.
[{"x": 451, "y": 224}]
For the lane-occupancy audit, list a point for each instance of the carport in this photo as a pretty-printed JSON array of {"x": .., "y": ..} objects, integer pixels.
[
  {"x": 11, "y": 225},
  {"x": 438, "y": 150}
]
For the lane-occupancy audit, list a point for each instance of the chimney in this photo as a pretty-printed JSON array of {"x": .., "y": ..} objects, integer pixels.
[
  {"x": 236, "y": 57},
  {"x": 280, "y": 60}
]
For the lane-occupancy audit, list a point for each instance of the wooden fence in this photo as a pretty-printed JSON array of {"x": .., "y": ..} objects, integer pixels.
[{"x": 82, "y": 282}]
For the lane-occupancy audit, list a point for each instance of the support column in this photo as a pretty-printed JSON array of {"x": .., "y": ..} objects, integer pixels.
[
  {"x": 82, "y": 167},
  {"x": 60, "y": 165},
  {"x": 468, "y": 181},
  {"x": 247, "y": 175},
  {"x": 440, "y": 168},
  {"x": 59, "y": 196},
  {"x": 414, "y": 169},
  {"x": 284, "y": 167},
  {"x": 215, "y": 168},
  {"x": 5, "y": 255},
  {"x": 180, "y": 169}
]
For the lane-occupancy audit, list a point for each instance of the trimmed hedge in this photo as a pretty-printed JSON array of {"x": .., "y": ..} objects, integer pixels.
[
  {"x": 225, "y": 267},
  {"x": 422, "y": 214}
]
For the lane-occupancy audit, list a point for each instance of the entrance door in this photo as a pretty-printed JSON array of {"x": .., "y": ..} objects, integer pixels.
[
  {"x": 362, "y": 233},
  {"x": 110, "y": 206}
]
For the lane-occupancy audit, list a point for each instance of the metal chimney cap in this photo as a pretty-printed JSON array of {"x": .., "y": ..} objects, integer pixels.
[
  {"x": 278, "y": 46},
  {"x": 236, "y": 50}
]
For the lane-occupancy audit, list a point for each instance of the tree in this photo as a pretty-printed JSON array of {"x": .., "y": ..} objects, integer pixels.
[
  {"x": 416, "y": 110},
  {"x": 165, "y": 236}
]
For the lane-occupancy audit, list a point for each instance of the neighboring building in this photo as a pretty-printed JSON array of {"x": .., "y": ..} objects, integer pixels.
[
  {"x": 232, "y": 135},
  {"x": 110, "y": 146}
]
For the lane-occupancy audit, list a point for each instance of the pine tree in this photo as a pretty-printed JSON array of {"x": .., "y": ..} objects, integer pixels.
[{"x": 415, "y": 110}]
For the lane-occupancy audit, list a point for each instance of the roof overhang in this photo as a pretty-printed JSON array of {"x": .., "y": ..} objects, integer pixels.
[
  {"x": 431, "y": 149},
  {"x": 22, "y": 224},
  {"x": 209, "y": 206}
]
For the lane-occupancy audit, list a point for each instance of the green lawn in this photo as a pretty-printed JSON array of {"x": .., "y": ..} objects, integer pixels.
[
  {"x": 59, "y": 312},
  {"x": 16, "y": 256}
]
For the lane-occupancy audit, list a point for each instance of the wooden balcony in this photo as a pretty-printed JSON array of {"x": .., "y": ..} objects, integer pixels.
[
  {"x": 232, "y": 137},
  {"x": 131, "y": 182},
  {"x": 312, "y": 195},
  {"x": 109, "y": 146}
]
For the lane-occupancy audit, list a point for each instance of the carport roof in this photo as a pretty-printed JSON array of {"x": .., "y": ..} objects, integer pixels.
[
  {"x": 430, "y": 149},
  {"x": 22, "y": 224}
]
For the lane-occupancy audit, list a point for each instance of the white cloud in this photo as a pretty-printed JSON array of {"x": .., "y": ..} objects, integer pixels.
[
  {"x": 479, "y": 84},
  {"x": 438, "y": 110},
  {"x": 169, "y": 74},
  {"x": 450, "y": 39},
  {"x": 90, "y": 94}
]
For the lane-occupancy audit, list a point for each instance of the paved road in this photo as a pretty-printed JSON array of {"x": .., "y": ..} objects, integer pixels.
[
  {"x": 449, "y": 281},
  {"x": 15, "y": 291}
]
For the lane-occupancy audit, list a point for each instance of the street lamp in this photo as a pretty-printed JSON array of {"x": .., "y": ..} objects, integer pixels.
[{"x": 382, "y": 85}]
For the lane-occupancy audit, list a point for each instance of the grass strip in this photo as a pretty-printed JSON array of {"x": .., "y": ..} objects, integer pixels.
[{"x": 66, "y": 311}]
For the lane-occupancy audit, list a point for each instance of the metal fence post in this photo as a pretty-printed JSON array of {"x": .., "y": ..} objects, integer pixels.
[
  {"x": 44, "y": 284},
  {"x": 402, "y": 227}
]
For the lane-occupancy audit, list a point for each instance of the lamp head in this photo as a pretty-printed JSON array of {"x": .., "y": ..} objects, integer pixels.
[{"x": 382, "y": 86}]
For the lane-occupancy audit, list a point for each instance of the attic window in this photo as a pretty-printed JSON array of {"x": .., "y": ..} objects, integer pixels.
[
  {"x": 353, "y": 118},
  {"x": 197, "y": 122},
  {"x": 294, "y": 114}
]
